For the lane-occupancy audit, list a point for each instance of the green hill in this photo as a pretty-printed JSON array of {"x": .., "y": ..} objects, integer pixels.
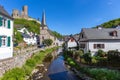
[
  {"x": 31, "y": 25},
  {"x": 56, "y": 34},
  {"x": 111, "y": 24}
]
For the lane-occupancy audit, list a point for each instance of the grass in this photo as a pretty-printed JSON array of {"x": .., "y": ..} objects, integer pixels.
[
  {"x": 26, "y": 69},
  {"x": 29, "y": 24}
]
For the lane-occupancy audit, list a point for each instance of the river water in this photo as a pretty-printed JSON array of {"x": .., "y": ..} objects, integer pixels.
[{"x": 58, "y": 71}]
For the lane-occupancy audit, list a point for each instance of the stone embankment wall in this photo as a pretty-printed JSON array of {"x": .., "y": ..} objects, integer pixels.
[{"x": 18, "y": 60}]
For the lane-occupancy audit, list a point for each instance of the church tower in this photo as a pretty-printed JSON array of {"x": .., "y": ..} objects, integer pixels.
[
  {"x": 43, "y": 29},
  {"x": 45, "y": 33}
]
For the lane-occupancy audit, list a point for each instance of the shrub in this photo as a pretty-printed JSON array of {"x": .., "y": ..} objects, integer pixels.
[
  {"x": 14, "y": 74},
  {"x": 114, "y": 58},
  {"x": 87, "y": 57},
  {"x": 47, "y": 42},
  {"x": 104, "y": 74},
  {"x": 101, "y": 53}
]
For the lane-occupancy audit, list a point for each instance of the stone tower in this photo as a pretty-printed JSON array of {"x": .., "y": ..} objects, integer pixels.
[
  {"x": 45, "y": 33},
  {"x": 24, "y": 13},
  {"x": 15, "y": 13}
]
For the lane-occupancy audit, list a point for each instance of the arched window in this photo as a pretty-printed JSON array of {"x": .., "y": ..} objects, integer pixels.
[{"x": 42, "y": 37}]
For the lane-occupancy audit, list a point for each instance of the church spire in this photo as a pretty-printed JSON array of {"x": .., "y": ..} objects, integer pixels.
[{"x": 43, "y": 19}]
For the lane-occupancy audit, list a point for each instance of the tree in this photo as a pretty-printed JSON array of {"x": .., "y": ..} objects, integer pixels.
[
  {"x": 56, "y": 34},
  {"x": 47, "y": 42},
  {"x": 111, "y": 24}
]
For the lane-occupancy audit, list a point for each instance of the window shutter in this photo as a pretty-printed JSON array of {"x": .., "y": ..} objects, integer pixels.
[
  {"x": 0, "y": 41},
  {"x": 8, "y": 24},
  {"x": 0, "y": 21},
  {"x": 8, "y": 42},
  {"x": 95, "y": 46}
]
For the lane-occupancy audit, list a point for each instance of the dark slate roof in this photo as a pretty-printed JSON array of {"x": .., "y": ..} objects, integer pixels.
[
  {"x": 101, "y": 33},
  {"x": 25, "y": 35},
  {"x": 66, "y": 38},
  {"x": 76, "y": 36},
  {"x": 4, "y": 13}
]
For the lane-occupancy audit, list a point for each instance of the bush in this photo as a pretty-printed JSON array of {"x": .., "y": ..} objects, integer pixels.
[
  {"x": 18, "y": 37},
  {"x": 47, "y": 42},
  {"x": 14, "y": 74},
  {"x": 87, "y": 57},
  {"x": 114, "y": 58},
  {"x": 101, "y": 53},
  {"x": 104, "y": 74}
]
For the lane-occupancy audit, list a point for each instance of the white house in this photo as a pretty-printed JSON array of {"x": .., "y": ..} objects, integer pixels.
[
  {"x": 24, "y": 30},
  {"x": 6, "y": 33},
  {"x": 59, "y": 42},
  {"x": 71, "y": 43},
  {"x": 99, "y": 39},
  {"x": 28, "y": 37}
]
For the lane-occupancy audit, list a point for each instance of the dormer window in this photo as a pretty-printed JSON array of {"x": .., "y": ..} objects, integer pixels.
[
  {"x": 72, "y": 40},
  {"x": 113, "y": 33},
  {"x": 82, "y": 35}
]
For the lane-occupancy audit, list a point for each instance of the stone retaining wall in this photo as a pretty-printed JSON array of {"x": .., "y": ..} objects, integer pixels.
[
  {"x": 16, "y": 61},
  {"x": 19, "y": 59}
]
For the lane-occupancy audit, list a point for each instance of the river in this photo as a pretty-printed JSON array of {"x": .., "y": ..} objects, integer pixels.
[{"x": 58, "y": 71}]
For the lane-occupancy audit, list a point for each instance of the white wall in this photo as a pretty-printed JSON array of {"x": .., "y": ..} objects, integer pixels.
[
  {"x": 86, "y": 46},
  {"x": 71, "y": 44},
  {"x": 6, "y": 52},
  {"x": 109, "y": 45}
]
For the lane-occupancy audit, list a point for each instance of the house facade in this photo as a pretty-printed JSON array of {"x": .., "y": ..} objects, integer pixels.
[
  {"x": 28, "y": 37},
  {"x": 6, "y": 34},
  {"x": 99, "y": 39},
  {"x": 59, "y": 42},
  {"x": 71, "y": 43}
]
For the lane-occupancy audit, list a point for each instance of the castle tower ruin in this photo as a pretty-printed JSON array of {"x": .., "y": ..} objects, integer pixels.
[
  {"x": 15, "y": 13},
  {"x": 24, "y": 13}
]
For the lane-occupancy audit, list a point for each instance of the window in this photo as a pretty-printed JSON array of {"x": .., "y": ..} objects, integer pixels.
[
  {"x": 42, "y": 37},
  {"x": 3, "y": 22},
  {"x": 4, "y": 41},
  {"x": 99, "y": 46},
  {"x": 113, "y": 33},
  {"x": 82, "y": 45},
  {"x": 72, "y": 40}
]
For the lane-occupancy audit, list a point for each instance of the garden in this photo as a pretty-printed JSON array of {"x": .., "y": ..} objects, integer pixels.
[{"x": 102, "y": 66}]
